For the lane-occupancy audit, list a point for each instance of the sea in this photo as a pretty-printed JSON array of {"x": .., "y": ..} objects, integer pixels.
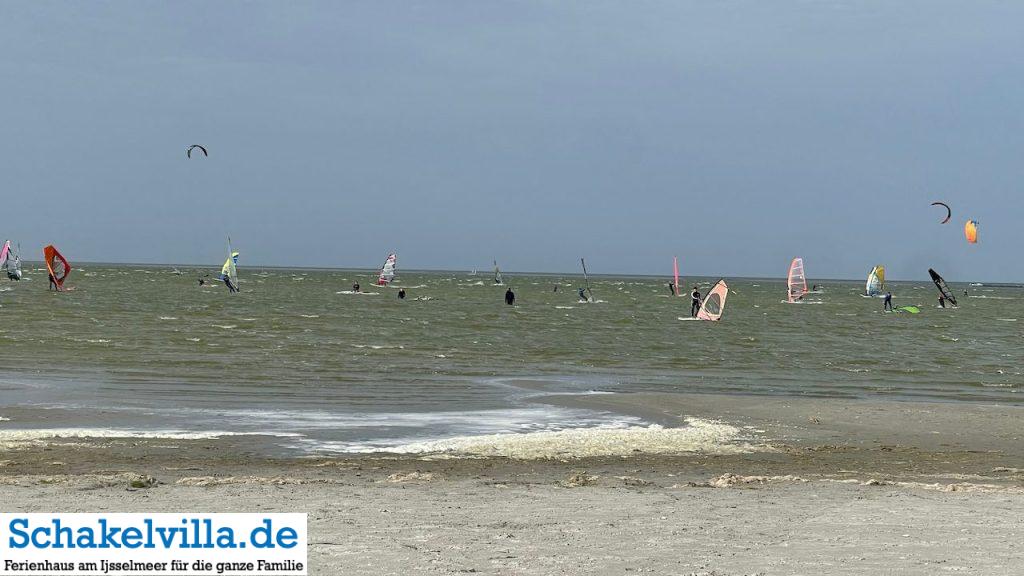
[{"x": 299, "y": 359}]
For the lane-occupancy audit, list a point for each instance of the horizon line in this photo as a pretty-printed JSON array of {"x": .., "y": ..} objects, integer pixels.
[{"x": 513, "y": 272}]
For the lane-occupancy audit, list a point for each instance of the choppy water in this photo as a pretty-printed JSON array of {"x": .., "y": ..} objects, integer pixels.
[{"x": 139, "y": 349}]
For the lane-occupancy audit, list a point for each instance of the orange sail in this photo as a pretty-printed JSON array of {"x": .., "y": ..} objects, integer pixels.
[
  {"x": 57, "y": 264},
  {"x": 971, "y": 231}
]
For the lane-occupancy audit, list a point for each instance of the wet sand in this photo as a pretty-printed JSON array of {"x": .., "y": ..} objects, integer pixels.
[{"x": 837, "y": 486}]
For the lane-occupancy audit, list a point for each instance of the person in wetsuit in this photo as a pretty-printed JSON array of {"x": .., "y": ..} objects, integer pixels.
[
  {"x": 694, "y": 302},
  {"x": 355, "y": 287},
  {"x": 401, "y": 293},
  {"x": 672, "y": 288},
  {"x": 510, "y": 297},
  {"x": 53, "y": 283},
  {"x": 887, "y": 305},
  {"x": 583, "y": 295},
  {"x": 942, "y": 301}
]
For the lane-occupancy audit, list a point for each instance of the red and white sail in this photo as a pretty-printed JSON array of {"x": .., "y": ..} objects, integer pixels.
[
  {"x": 796, "y": 282},
  {"x": 387, "y": 272}
]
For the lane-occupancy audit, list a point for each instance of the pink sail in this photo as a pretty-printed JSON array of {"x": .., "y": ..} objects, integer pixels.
[
  {"x": 714, "y": 303},
  {"x": 5, "y": 253},
  {"x": 675, "y": 271},
  {"x": 797, "y": 282}
]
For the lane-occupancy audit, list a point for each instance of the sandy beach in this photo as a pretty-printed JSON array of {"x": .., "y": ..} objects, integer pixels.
[{"x": 825, "y": 486}]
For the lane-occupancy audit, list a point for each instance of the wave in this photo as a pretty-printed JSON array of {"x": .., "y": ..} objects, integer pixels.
[{"x": 699, "y": 435}]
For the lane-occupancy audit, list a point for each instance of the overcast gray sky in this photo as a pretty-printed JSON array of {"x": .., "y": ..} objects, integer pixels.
[{"x": 733, "y": 134}]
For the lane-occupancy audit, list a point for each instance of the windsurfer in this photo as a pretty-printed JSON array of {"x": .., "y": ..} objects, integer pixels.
[
  {"x": 355, "y": 287},
  {"x": 231, "y": 287},
  {"x": 510, "y": 297},
  {"x": 583, "y": 295},
  {"x": 942, "y": 301},
  {"x": 672, "y": 288},
  {"x": 887, "y": 305},
  {"x": 401, "y": 293},
  {"x": 694, "y": 302},
  {"x": 53, "y": 283}
]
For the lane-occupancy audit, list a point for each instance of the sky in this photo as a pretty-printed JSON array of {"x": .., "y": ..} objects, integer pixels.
[{"x": 732, "y": 134}]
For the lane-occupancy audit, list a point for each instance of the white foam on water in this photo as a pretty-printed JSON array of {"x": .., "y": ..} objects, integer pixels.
[
  {"x": 354, "y": 293},
  {"x": 16, "y": 438},
  {"x": 380, "y": 346},
  {"x": 167, "y": 317},
  {"x": 699, "y": 435},
  {"x": 310, "y": 315}
]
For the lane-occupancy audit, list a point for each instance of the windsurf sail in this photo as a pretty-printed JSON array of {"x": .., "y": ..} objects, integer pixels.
[
  {"x": 586, "y": 279},
  {"x": 876, "y": 281},
  {"x": 5, "y": 254},
  {"x": 497, "y": 273},
  {"x": 714, "y": 303},
  {"x": 909, "y": 309},
  {"x": 230, "y": 268},
  {"x": 796, "y": 282},
  {"x": 387, "y": 271},
  {"x": 13, "y": 263},
  {"x": 57, "y": 265},
  {"x": 944, "y": 290},
  {"x": 675, "y": 273}
]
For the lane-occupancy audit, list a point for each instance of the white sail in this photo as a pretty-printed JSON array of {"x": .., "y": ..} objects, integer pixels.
[
  {"x": 10, "y": 261},
  {"x": 876, "y": 281},
  {"x": 497, "y": 273},
  {"x": 387, "y": 271},
  {"x": 713, "y": 306}
]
